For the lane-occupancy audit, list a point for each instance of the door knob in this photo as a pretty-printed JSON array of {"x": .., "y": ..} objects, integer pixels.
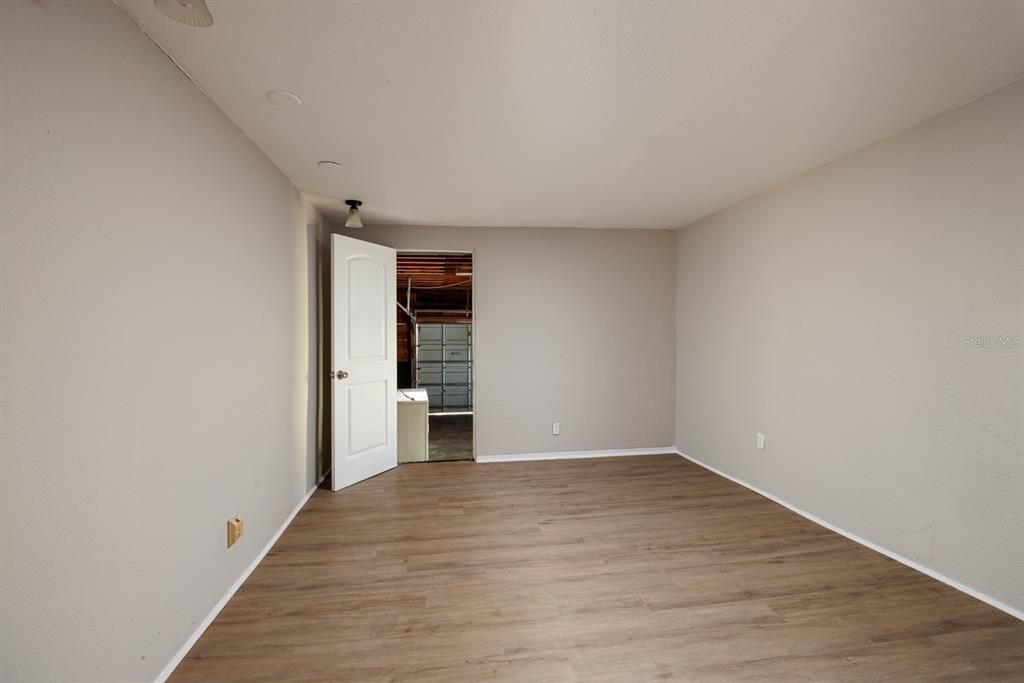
[{"x": 341, "y": 374}]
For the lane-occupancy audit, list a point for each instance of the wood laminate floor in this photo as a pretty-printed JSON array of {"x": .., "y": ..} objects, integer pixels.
[{"x": 619, "y": 569}]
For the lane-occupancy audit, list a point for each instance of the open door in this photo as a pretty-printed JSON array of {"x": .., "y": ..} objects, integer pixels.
[{"x": 364, "y": 413}]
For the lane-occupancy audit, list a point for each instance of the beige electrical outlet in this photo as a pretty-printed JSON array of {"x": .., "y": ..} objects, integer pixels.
[{"x": 235, "y": 529}]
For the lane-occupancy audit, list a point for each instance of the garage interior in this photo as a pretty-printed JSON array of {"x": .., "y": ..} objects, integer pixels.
[{"x": 435, "y": 355}]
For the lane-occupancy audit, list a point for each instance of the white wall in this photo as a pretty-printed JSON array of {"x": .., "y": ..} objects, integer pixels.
[
  {"x": 156, "y": 356},
  {"x": 831, "y": 314},
  {"x": 570, "y": 325}
]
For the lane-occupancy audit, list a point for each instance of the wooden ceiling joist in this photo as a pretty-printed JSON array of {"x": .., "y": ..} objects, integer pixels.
[{"x": 431, "y": 270}]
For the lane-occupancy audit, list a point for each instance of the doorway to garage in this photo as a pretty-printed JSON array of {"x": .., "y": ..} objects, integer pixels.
[{"x": 435, "y": 356}]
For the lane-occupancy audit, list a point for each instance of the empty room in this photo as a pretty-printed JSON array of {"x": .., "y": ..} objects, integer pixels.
[{"x": 529, "y": 341}]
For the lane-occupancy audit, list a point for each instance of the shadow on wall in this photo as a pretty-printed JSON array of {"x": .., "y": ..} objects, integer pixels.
[{"x": 321, "y": 238}]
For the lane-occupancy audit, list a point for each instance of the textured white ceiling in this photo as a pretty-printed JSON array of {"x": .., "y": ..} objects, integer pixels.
[{"x": 585, "y": 114}]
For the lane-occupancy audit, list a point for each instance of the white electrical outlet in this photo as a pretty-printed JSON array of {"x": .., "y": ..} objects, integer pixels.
[
  {"x": 556, "y": 428},
  {"x": 760, "y": 440}
]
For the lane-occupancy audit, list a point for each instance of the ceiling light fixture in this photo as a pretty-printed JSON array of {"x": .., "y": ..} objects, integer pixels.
[
  {"x": 353, "y": 220},
  {"x": 189, "y": 12},
  {"x": 332, "y": 165},
  {"x": 284, "y": 98}
]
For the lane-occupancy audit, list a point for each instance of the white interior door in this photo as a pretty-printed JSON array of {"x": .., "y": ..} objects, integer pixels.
[{"x": 364, "y": 343}]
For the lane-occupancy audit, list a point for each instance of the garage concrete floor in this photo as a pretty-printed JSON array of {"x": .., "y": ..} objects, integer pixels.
[{"x": 451, "y": 437}]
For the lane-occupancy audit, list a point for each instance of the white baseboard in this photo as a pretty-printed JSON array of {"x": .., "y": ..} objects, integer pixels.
[
  {"x": 1012, "y": 611},
  {"x": 205, "y": 623},
  {"x": 571, "y": 455}
]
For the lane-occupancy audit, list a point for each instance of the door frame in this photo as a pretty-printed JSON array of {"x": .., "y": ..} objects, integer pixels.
[{"x": 472, "y": 338}]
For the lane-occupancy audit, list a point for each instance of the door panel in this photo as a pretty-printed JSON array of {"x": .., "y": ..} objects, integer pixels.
[
  {"x": 456, "y": 334},
  {"x": 457, "y": 397},
  {"x": 430, "y": 353},
  {"x": 367, "y": 289},
  {"x": 459, "y": 354},
  {"x": 430, "y": 334},
  {"x": 429, "y": 373},
  {"x": 456, "y": 373},
  {"x": 367, "y": 417},
  {"x": 364, "y": 345}
]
